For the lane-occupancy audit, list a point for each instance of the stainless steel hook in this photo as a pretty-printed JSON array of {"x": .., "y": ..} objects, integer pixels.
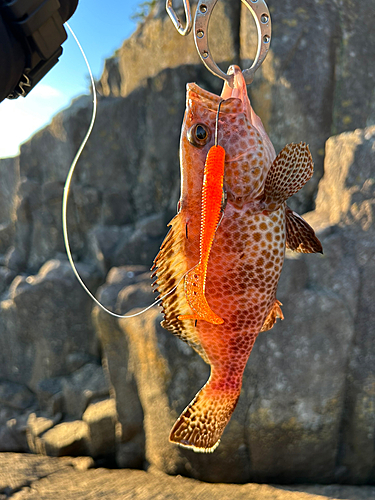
[
  {"x": 261, "y": 15},
  {"x": 175, "y": 19}
]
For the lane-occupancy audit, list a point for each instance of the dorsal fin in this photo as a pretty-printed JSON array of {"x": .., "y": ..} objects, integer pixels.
[
  {"x": 300, "y": 236},
  {"x": 170, "y": 265},
  {"x": 289, "y": 172}
]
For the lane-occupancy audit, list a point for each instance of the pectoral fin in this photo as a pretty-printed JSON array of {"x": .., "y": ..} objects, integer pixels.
[
  {"x": 300, "y": 236},
  {"x": 290, "y": 171}
]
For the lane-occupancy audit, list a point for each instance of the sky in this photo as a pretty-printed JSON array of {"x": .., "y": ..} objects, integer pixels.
[{"x": 101, "y": 27}]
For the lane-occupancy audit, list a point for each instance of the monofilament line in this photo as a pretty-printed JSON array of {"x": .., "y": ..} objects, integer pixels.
[
  {"x": 217, "y": 120},
  {"x": 66, "y": 196}
]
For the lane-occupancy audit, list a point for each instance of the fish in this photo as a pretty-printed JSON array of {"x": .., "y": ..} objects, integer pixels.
[{"x": 238, "y": 266}]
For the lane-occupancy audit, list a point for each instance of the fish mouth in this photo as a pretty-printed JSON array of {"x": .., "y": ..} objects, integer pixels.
[{"x": 235, "y": 99}]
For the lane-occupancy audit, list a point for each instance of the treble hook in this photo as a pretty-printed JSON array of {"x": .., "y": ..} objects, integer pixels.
[{"x": 261, "y": 15}]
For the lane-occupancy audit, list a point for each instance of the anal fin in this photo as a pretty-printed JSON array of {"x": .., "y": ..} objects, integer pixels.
[
  {"x": 300, "y": 236},
  {"x": 289, "y": 172}
]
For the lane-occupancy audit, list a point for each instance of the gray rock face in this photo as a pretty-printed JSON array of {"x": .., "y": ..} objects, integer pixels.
[
  {"x": 82, "y": 387},
  {"x": 9, "y": 175},
  {"x": 346, "y": 199},
  {"x": 119, "y": 365},
  {"x": 43, "y": 320}
]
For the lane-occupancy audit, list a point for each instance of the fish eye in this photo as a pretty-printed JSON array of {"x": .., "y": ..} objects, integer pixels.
[{"x": 198, "y": 135}]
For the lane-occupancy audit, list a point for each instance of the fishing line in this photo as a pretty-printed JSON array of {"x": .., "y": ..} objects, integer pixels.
[
  {"x": 66, "y": 196},
  {"x": 217, "y": 120}
]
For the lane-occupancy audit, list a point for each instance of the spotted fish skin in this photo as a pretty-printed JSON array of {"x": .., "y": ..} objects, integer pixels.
[{"x": 247, "y": 253}]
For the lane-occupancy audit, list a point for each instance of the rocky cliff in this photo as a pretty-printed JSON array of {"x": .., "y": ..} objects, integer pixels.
[{"x": 75, "y": 381}]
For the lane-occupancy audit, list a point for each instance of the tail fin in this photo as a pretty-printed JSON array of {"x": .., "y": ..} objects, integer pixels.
[{"x": 202, "y": 423}]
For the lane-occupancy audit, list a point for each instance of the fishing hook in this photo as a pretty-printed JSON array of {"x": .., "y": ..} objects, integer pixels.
[{"x": 262, "y": 18}]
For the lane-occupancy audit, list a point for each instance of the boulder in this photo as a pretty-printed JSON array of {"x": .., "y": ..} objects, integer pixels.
[
  {"x": 36, "y": 427},
  {"x": 101, "y": 419},
  {"x": 67, "y": 438}
]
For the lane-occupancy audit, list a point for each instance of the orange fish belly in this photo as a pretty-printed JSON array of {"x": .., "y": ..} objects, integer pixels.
[{"x": 242, "y": 277}]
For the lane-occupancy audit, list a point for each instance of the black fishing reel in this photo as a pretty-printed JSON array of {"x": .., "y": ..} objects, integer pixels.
[{"x": 31, "y": 35}]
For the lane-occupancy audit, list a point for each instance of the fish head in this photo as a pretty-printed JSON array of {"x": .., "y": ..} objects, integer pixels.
[{"x": 248, "y": 150}]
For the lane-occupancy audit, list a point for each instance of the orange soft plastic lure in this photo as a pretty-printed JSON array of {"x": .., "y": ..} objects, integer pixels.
[{"x": 195, "y": 280}]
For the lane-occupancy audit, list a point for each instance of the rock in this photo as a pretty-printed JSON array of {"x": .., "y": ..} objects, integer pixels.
[
  {"x": 139, "y": 57},
  {"x": 107, "y": 205},
  {"x": 67, "y": 438},
  {"x": 296, "y": 105},
  {"x": 110, "y": 81},
  {"x": 9, "y": 179},
  {"x": 36, "y": 427},
  {"x": 129, "y": 244},
  {"x": 305, "y": 413},
  {"x": 83, "y": 386},
  {"x": 29, "y": 477},
  {"x": 354, "y": 98},
  {"x": 16, "y": 396},
  {"x": 143, "y": 243},
  {"x": 346, "y": 200},
  {"x": 131, "y": 454},
  {"x": 6, "y": 236},
  {"x": 6, "y": 277},
  {"x": 13, "y": 430},
  {"x": 117, "y": 279},
  {"x": 44, "y": 319},
  {"x": 120, "y": 370},
  {"x": 101, "y": 419},
  {"x": 295, "y": 379},
  {"x": 16, "y": 403},
  {"x": 50, "y": 396}
]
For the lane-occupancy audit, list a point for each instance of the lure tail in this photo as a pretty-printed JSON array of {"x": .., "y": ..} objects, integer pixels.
[
  {"x": 194, "y": 292},
  {"x": 202, "y": 423}
]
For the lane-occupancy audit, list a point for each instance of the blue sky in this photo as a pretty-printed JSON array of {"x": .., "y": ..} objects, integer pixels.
[{"x": 101, "y": 28}]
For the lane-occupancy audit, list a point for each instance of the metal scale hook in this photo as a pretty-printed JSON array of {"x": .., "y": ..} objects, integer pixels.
[{"x": 261, "y": 15}]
